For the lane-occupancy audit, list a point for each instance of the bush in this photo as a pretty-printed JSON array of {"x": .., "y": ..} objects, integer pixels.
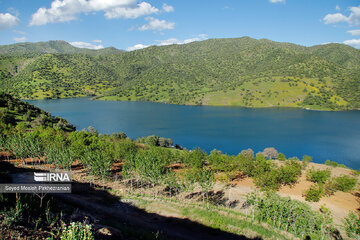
[
  {"x": 59, "y": 156},
  {"x": 331, "y": 163},
  {"x": 246, "y": 165},
  {"x": 248, "y": 153},
  {"x": 123, "y": 148},
  {"x": 314, "y": 193},
  {"x": 222, "y": 162},
  {"x": 355, "y": 173},
  {"x": 261, "y": 166},
  {"x": 149, "y": 140},
  {"x": 318, "y": 176},
  {"x": 270, "y": 153},
  {"x": 195, "y": 158},
  {"x": 290, "y": 172},
  {"x": 97, "y": 162},
  {"x": 165, "y": 142},
  {"x": 291, "y": 216},
  {"x": 281, "y": 157},
  {"x": 268, "y": 181},
  {"x": 343, "y": 183},
  {"x": 352, "y": 225},
  {"x": 120, "y": 135},
  {"x": 76, "y": 231},
  {"x": 306, "y": 160}
]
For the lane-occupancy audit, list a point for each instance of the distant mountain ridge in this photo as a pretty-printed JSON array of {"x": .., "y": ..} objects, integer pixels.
[
  {"x": 55, "y": 46},
  {"x": 233, "y": 71}
]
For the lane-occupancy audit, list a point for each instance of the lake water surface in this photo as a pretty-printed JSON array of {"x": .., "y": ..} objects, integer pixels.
[{"x": 295, "y": 132}]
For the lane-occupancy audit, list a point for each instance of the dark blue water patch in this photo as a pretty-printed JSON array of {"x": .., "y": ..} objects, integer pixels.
[{"x": 295, "y": 132}]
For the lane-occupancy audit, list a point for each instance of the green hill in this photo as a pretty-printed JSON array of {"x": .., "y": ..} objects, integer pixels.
[
  {"x": 24, "y": 116},
  {"x": 51, "y": 47},
  {"x": 238, "y": 72}
]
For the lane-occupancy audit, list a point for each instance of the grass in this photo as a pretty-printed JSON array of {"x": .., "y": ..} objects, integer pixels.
[
  {"x": 273, "y": 93},
  {"x": 229, "y": 223},
  {"x": 216, "y": 217}
]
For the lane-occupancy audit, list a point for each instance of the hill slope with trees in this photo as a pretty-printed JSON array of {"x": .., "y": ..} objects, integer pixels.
[{"x": 239, "y": 72}]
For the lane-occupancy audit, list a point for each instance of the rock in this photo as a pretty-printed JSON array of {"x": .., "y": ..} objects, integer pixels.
[{"x": 109, "y": 233}]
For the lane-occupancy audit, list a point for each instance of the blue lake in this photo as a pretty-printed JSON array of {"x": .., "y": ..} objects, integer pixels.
[{"x": 294, "y": 132}]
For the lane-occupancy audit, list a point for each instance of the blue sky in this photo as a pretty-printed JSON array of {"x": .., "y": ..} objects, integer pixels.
[{"x": 131, "y": 24}]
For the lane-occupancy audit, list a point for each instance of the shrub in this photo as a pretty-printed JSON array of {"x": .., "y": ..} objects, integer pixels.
[
  {"x": 306, "y": 160},
  {"x": 123, "y": 148},
  {"x": 120, "y": 135},
  {"x": 98, "y": 162},
  {"x": 76, "y": 231},
  {"x": 343, "y": 183},
  {"x": 270, "y": 153},
  {"x": 268, "y": 181},
  {"x": 314, "y": 193},
  {"x": 355, "y": 173},
  {"x": 246, "y": 165},
  {"x": 248, "y": 153},
  {"x": 291, "y": 216},
  {"x": 331, "y": 163},
  {"x": 195, "y": 158},
  {"x": 149, "y": 140},
  {"x": 281, "y": 157},
  {"x": 342, "y": 166},
  {"x": 60, "y": 156},
  {"x": 165, "y": 142},
  {"x": 290, "y": 172},
  {"x": 318, "y": 176},
  {"x": 261, "y": 165},
  {"x": 352, "y": 225}
]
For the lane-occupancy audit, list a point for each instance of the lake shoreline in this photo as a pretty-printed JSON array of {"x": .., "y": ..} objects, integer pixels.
[
  {"x": 235, "y": 106},
  {"x": 293, "y": 131},
  {"x": 97, "y": 98}
]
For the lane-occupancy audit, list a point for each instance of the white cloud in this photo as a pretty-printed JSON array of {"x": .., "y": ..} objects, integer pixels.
[
  {"x": 354, "y": 32},
  {"x": 277, "y": 1},
  {"x": 19, "y": 39},
  {"x": 97, "y": 41},
  {"x": 8, "y": 21},
  {"x": 156, "y": 25},
  {"x": 19, "y": 32},
  {"x": 327, "y": 43},
  {"x": 136, "y": 11},
  {"x": 137, "y": 47},
  {"x": 337, "y": 7},
  {"x": 167, "y": 8},
  {"x": 86, "y": 45},
  {"x": 353, "y": 42},
  {"x": 68, "y": 10},
  {"x": 335, "y": 18},
  {"x": 169, "y": 41},
  {"x": 107, "y": 4},
  {"x": 353, "y": 19}
]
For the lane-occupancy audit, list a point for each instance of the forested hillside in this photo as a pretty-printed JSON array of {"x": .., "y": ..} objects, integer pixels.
[
  {"x": 24, "y": 116},
  {"x": 51, "y": 47},
  {"x": 241, "y": 72}
]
